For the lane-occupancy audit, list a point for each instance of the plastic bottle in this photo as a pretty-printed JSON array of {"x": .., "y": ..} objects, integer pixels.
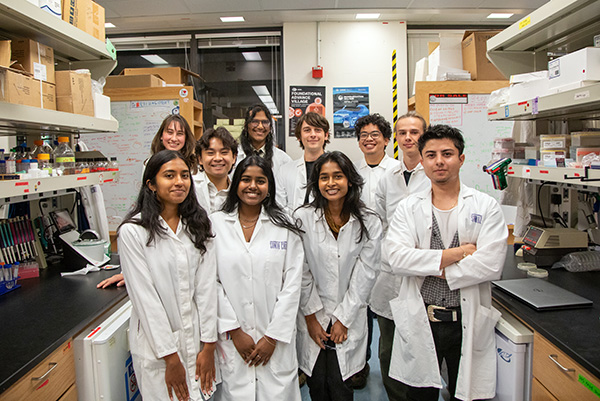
[
  {"x": 64, "y": 157},
  {"x": 2, "y": 166},
  {"x": 1, "y": 154},
  {"x": 44, "y": 163},
  {"x": 113, "y": 165},
  {"x": 11, "y": 163}
]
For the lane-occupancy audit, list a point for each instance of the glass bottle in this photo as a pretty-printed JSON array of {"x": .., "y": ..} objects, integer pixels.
[{"x": 64, "y": 157}]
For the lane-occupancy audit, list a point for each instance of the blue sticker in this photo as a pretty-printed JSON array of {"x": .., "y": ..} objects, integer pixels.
[
  {"x": 505, "y": 355},
  {"x": 476, "y": 218}
]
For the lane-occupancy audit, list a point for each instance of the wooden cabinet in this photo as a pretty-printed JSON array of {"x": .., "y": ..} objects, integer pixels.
[
  {"x": 539, "y": 392},
  {"x": 50, "y": 380},
  {"x": 560, "y": 375}
]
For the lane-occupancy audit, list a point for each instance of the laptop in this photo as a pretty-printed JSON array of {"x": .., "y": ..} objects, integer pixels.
[{"x": 542, "y": 295}]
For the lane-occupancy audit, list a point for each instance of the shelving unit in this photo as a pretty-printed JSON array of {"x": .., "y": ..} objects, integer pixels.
[
  {"x": 583, "y": 103},
  {"x": 559, "y": 26},
  {"x": 15, "y": 191},
  {"x": 573, "y": 177}
]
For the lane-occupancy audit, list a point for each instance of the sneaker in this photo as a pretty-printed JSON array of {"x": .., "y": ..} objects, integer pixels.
[{"x": 359, "y": 380}]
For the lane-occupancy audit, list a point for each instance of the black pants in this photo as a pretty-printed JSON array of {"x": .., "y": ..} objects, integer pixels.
[
  {"x": 447, "y": 337},
  {"x": 326, "y": 382}
]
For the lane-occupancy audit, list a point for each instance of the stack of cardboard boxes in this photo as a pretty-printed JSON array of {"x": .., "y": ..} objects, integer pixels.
[{"x": 85, "y": 15}]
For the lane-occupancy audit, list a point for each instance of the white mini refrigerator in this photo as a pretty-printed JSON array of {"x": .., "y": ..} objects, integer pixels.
[
  {"x": 103, "y": 361},
  {"x": 514, "y": 346}
]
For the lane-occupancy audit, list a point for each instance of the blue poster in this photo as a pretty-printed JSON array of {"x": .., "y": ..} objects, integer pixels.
[{"x": 349, "y": 104}]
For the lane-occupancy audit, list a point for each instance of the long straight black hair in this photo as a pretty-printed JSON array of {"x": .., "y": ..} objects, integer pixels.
[
  {"x": 353, "y": 205},
  {"x": 196, "y": 222},
  {"x": 245, "y": 140},
  {"x": 269, "y": 204}
]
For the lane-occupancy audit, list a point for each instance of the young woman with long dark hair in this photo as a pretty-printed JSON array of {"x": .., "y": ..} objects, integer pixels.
[
  {"x": 259, "y": 268},
  {"x": 342, "y": 249},
  {"x": 168, "y": 259}
]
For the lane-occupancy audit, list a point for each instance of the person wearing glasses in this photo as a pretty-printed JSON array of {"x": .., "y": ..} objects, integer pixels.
[
  {"x": 257, "y": 138},
  {"x": 342, "y": 248},
  {"x": 373, "y": 133},
  {"x": 312, "y": 132}
]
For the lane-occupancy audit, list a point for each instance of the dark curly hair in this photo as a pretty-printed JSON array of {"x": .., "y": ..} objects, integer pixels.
[
  {"x": 196, "y": 222},
  {"x": 376, "y": 119}
]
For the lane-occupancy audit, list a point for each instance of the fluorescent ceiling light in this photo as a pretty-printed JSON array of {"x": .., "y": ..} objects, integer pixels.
[
  {"x": 232, "y": 19},
  {"x": 109, "y": 25},
  {"x": 500, "y": 15},
  {"x": 367, "y": 16},
  {"x": 155, "y": 59},
  {"x": 252, "y": 56},
  {"x": 261, "y": 90},
  {"x": 265, "y": 98}
]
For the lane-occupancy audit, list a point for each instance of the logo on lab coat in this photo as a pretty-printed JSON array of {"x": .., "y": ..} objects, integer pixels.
[
  {"x": 278, "y": 245},
  {"x": 476, "y": 218}
]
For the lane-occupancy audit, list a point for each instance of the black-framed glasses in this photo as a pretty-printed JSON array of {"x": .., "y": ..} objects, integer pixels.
[
  {"x": 255, "y": 123},
  {"x": 373, "y": 134}
]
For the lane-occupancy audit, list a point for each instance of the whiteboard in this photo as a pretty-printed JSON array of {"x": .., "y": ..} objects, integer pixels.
[
  {"x": 479, "y": 134},
  {"x": 138, "y": 123}
]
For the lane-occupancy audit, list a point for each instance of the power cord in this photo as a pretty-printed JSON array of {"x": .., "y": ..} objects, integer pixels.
[{"x": 538, "y": 203}]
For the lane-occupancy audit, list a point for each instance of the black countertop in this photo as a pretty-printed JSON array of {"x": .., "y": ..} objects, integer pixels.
[
  {"x": 44, "y": 313},
  {"x": 574, "y": 331}
]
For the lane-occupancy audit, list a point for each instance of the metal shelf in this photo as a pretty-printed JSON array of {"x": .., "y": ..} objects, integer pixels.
[
  {"x": 14, "y": 191},
  {"x": 575, "y": 177},
  {"x": 27, "y": 119},
  {"x": 20, "y": 18},
  {"x": 582, "y": 103},
  {"x": 559, "y": 26}
]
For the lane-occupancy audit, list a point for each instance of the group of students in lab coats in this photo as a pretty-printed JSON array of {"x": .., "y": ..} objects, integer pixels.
[{"x": 280, "y": 275}]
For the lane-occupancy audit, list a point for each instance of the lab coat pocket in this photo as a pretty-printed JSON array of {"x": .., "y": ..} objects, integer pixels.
[
  {"x": 401, "y": 314},
  {"x": 275, "y": 260},
  {"x": 483, "y": 329},
  {"x": 226, "y": 354},
  {"x": 284, "y": 359}
]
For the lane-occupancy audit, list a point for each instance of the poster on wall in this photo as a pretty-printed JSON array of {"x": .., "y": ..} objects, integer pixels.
[
  {"x": 304, "y": 99},
  {"x": 349, "y": 104}
]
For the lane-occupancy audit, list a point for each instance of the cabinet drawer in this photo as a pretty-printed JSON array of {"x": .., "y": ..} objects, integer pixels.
[
  {"x": 539, "y": 392},
  {"x": 48, "y": 380},
  {"x": 562, "y": 376},
  {"x": 70, "y": 395}
]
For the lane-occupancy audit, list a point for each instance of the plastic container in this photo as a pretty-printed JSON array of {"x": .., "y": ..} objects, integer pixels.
[
  {"x": 64, "y": 157},
  {"x": 44, "y": 163},
  {"x": 11, "y": 163},
  {"x": 537, "y": 273},
  {"x": 555, "y": 141},
  {"x": 41, "y": 147},
  {"x": 504, "y": 143},
  {"x": 525, "y": 266},
  {"x": 113, "y": 165}
]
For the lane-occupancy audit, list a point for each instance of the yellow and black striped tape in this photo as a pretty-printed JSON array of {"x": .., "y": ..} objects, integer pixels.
[{"x": 395, "y": 101}]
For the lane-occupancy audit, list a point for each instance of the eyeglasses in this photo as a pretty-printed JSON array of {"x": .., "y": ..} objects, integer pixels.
[
  {"x": 373, "y": 134},
  {"x": 255, "y": 123}
]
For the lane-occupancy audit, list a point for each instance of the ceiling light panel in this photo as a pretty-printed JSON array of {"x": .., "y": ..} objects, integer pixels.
[
  {"x": 232, "y": 19},
  {"x": 500, "y": 15},
  {"x": 154, "y": 59},
  {"x": 367, "y": 16},
  {"x": 252, "y": 56}
]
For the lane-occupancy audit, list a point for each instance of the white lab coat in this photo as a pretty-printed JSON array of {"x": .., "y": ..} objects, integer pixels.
[
  {"x": 291, "y": 184},
  {"x": 259, "y": 291},
  {"x": 372, "y": 177},
  {"x": 391, "y": 189},
  {"x": 414, "y": 361},
  {"x": 201, "y": 184},
  {"x": 336, "y": 282},
  {"x": 173, "y": 289}
]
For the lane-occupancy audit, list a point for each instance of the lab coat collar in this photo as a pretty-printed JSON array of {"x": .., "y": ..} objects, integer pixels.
[
  {"x": 385, "y": 163},
  {"x": 320, "y": 215},
  {"x": 401, "y": 167},
  {"x": 233, "y": 216},
  {"x": 170, "y": 232}
]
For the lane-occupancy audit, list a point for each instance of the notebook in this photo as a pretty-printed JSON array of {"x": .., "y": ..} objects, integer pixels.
[{"x": 542, "y": 295}]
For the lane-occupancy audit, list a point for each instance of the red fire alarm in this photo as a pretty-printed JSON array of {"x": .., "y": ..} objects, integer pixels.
[{"x": 317, "y": 72}]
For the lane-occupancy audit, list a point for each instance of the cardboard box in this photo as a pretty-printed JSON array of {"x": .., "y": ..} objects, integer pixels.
[
  {"x": 4, "y": 53},
  {"x": 569, "y": 71},
  {"x": 585, "y": 139},
  {"x": 74, "y": 93},
  {"x": 85, "y": 15},
  {"x": 36, "y": 58},
  {"x": 474, "y": 49},
  {"x": 48, "y": 98},
  {"x": 133, "y": 81},
  {"x": 171, "y": 75},
  {"x": 18, "y": 88}
]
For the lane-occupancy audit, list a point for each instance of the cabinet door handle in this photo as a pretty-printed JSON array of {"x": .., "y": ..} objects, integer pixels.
[
  {"x": 53, "y": 366},
  {"x": 566, "y": 370}
]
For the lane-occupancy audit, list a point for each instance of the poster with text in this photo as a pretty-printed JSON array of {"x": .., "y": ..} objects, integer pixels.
[
  {"x": 304, "y": 99},
  {"x": 349, "y": 104}
]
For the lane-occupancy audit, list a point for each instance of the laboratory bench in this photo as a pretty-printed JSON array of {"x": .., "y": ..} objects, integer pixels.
[
  {"x": 45, "y": 314},
  {"x": 570, "y": 337}
]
